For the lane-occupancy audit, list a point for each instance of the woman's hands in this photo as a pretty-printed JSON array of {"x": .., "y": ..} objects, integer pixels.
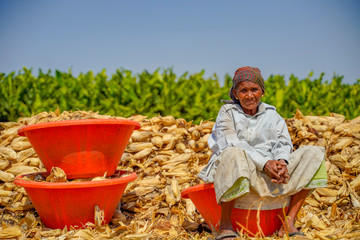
[{"x": 277, "y": 171}]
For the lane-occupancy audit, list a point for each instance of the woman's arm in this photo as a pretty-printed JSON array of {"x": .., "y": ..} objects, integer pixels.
[{"x": 283, "y": 147}]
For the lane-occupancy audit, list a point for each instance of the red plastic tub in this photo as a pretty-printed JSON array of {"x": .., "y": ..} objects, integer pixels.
[
  {"x": 82, "y": 148},
  {"x": 203, "y": 197},
  {"x": 73, "y": 204}
]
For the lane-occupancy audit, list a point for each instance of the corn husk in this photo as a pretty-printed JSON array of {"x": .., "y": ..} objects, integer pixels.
[
  {"x": 24, "y": 154},
  {"x": 10, "y": 233},
  {"x": 8, "y": 154},
  {"x": 141, "y": 136},
  {"x": 167, "y": 154},
  {"x": 4, "y": 164},
  {"x": 157, "y": 141},
  {"x": 143, "y": 153},
  {"x": 56, "y": 175},
  {"x": 6, "y": 177},
  {"x": 20, "y": 143},
  {"x": 167, "y": 121},
  {"x": 138, "y": 146},
  {"x": 21, "y": 170},
  {"x": 169, "y": 196}
]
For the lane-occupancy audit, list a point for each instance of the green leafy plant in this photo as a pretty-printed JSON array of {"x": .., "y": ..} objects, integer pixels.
[{"x": 189, "y": 96}]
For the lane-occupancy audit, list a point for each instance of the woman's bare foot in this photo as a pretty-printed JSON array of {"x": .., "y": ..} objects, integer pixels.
[
  {"x": 226, "y": 230},
  {"x": 296, "y": 202},
  {"x": 288, "y": 228},
  {"x": 228, "y": 234}
]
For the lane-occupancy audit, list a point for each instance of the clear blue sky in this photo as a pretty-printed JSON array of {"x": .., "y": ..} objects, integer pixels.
[{"x": 278, "y": 36}]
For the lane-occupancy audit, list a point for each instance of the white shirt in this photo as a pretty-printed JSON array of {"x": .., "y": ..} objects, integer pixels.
[{"x": 263, "y": 136}]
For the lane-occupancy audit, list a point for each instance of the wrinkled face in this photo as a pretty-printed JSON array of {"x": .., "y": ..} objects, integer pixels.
[{"x": 249, "y": 95}]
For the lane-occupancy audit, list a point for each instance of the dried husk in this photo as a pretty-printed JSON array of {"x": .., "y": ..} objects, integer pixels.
[
  {"x": 143, "y": 153},
  {"x": 170, "y": 145},
  {"x": 35, "y": 162},
  {"x": 10, "y": 232},
  {"x": 20, "y": 143},
  {"x": 327, "y": 192},
  {"x": 4, "y": 164},
  {"x": 24, "y": 154},
  {"x": 167, "y": 121},
  {"x": 6, "y": 177},
  {"x": 180, "y": 147},
  {"x": 342, "y": 143},
  {"x": 6, "y": 193},
  {"x": 56, "y": 175},
  {"x": 175, "y": 188},
  {"x": 8, "y": 154},
  {"x": 141, "y": 136},
  {"x": 157, "y": 141},
  {"x": 10, "y": 131},
  {"x": 167, "y": 154},
  {"x": 138, "y": 146},
  {"x": 169, "y": 196},
  {"x": 17, "y": 170}
]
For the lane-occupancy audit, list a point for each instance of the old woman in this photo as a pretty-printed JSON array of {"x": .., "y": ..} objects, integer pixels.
[{"x": 252, "y": 151}]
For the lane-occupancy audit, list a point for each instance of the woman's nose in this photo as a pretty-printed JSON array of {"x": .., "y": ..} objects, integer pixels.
[{"x": 249, "y": 94}]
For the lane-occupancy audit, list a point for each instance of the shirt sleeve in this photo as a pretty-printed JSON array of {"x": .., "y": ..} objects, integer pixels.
[
  {"x": 224, "y": 135},
  {"x": 258, "y": 159},
  {"x": 283, "y": 147}
]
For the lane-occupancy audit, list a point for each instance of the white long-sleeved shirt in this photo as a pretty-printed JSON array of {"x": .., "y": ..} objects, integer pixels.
[{"x": 263, "y": 136}]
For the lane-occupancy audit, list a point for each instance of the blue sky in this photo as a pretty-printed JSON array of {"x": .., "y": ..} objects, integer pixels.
[{"x": 279, "y": 36}]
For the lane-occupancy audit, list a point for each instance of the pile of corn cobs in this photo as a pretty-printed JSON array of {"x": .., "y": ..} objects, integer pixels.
[{"x": 167, "y": 154}]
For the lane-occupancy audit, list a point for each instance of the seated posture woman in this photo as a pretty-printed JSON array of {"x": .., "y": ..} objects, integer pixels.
[{"x": 252, "y": 150}]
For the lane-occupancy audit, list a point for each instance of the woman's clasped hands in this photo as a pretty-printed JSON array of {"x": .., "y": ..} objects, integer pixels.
[{"x": 277, "y": 170}]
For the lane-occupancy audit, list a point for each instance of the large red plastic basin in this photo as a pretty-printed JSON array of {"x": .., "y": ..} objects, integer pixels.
[
  {"x": 203, "y": 197},
  {"x": 73, "y": 204},
  {"x": 82, "y": 148}
]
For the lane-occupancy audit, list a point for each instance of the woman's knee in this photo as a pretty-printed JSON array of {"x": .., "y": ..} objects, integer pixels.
[{"x": 311, "y": 152}]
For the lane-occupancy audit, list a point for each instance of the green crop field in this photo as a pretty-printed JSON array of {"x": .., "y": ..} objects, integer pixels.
[{"x": 161, "y": 92}]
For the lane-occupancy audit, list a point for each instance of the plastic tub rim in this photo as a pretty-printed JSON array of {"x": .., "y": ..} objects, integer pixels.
[
  {"x": 76, "y": 122},
  {"x": 203, "y": 186},
  {"x": 70, "y": 185}
]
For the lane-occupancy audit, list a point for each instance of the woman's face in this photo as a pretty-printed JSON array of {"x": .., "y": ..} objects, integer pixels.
[{"x": 249, "y": 95}]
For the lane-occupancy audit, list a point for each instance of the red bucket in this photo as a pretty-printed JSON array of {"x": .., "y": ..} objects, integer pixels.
[
  {"x": 82, "y": 148},
  {"x": 73, "y": 203},
  {"x": 203, "y": 197}
]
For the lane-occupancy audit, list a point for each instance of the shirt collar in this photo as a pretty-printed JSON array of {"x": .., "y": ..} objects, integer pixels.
[{"x": 261, "y": 108}]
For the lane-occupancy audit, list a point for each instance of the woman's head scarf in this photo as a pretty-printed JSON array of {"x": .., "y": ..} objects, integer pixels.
[{"x": 243, "y": 74}]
